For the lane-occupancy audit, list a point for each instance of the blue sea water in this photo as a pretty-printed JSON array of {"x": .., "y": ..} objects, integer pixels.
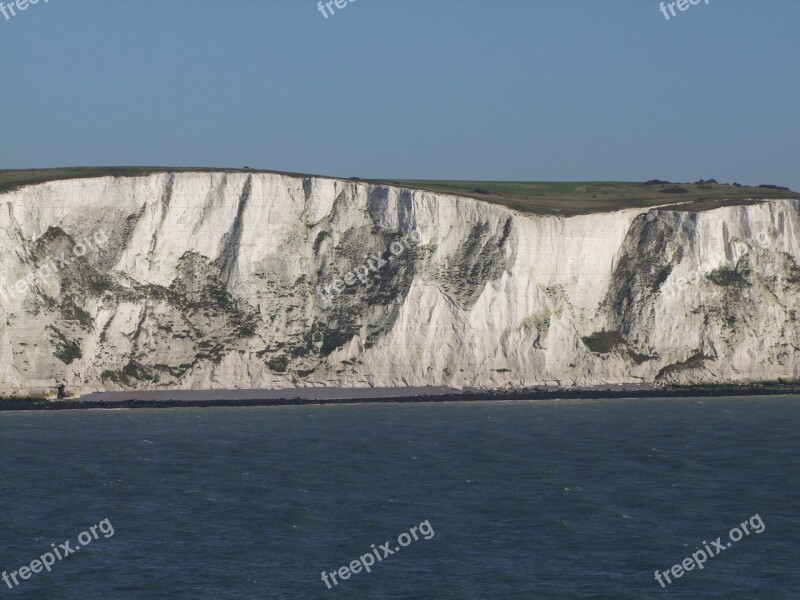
[{"x": 572, "y": 499}]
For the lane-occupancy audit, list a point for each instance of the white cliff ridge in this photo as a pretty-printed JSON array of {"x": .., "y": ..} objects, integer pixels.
[{"x": 199, "y": 280}]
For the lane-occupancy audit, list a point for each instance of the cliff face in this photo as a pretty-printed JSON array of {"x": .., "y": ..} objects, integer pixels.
[{"x": 226, "y": 280}]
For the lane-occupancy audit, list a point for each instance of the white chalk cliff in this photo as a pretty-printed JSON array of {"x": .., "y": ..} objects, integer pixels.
[{"x": 209, "y": 280}]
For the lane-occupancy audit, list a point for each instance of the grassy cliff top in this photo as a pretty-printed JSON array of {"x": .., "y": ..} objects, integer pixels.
[
  {"x": 573, "y": 198},
  {"x": 539, "y": 197}
]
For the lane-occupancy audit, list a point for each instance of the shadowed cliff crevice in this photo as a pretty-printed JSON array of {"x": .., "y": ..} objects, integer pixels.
[
  {"x": 375, "y": 282},
  {"x": 232, "y": 240},
  {"x": 164, "y": 202},
  {"x": 484, "y": 256}
]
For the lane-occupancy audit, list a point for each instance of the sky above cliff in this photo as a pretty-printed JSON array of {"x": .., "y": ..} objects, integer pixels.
[{"x": 423, "y": 89}]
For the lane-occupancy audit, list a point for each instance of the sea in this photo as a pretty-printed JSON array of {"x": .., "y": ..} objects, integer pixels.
[{"x": 485, "y": 500}]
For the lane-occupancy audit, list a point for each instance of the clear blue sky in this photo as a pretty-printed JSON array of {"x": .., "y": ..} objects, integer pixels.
[{"x": 437, "y": 89}]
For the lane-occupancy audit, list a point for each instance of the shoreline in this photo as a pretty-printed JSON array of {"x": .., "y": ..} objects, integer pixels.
[{"x": 356, "y": 396}]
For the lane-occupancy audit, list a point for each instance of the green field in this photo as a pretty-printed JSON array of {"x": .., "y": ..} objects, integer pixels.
[
  {"x": 539, "y": 197},
  {"x": 573, "y": 198}
]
